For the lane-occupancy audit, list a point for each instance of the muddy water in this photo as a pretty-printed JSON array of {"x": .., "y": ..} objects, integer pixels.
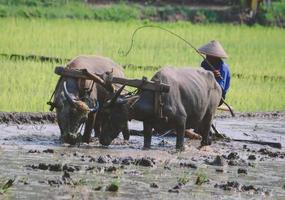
[{"x": 91, "y": 168}]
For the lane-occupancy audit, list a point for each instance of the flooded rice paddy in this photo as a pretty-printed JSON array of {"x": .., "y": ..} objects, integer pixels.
[{"x": 45, "y": 169}]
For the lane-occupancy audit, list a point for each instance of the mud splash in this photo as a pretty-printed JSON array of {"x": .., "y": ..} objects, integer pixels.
[{"x": 46, "y": 169}]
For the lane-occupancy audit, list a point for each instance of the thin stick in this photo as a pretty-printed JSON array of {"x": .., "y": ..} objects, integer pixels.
[
  {"x": 272, "y": 144},
  {"x": 172, "y": 33}
]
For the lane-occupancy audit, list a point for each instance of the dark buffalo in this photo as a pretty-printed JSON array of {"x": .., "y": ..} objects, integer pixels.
[
  {"x": 78, "y": 102},
  {"x": 192, "y": 100}
]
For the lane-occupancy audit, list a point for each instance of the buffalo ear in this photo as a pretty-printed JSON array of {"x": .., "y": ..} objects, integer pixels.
[
  {"x": 106, "y": 104},
  {"x": 110, "y": 87},
  {"x": 129, "y": 100},
  {"x": 120, "y": 101}
]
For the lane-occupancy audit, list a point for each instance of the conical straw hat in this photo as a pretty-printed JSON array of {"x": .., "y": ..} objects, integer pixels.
[{"x": 213, "y": 48}]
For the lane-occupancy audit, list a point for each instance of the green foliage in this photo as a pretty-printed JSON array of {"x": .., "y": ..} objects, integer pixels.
[
  {"x": 272, "y": 15},
  {"x": 3, "y": 11},
  {"x": 50, "y": 9},
  {"x": 123, "y": 11},
  {"x": 62, "y": 9},
  {"x": 34, "y": 3},
  {"x": 116, "y": 13},
  {"x": 211, "y": 16},
  {"x": 279, "y": 7},
  {"x": 149, "y": 12}
]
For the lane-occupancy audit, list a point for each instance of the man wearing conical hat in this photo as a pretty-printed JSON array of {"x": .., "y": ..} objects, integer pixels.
[{"x": 214, "y": 54}]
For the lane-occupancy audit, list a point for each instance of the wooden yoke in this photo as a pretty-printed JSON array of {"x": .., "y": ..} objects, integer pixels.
[
  {"x": 156, "y": 86},
  {"x": 108, "y": 77},
  {"x": 78, "y": 73},
  {"x": 143, "y": 84},
  {"x": 83, "y": 74}
]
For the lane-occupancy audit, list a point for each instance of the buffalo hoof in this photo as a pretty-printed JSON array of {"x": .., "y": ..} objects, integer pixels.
[
  {"x": 126, "y": 137},
  {"x": 180, "y": 148},
  {"x": 146, "y": 148},
  {"x": 86, "y": 139},
  {"x": 126, "y": 142},
  {"x": 71, "y": 139},
  {"x": 206, "y": 142},
  {"x": 146, "y": 145},
  {"x": 206, "y": 148}
]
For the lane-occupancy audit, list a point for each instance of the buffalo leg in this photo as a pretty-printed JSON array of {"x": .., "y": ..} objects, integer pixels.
[
  {"x": 88, "y": 128},
  {"x": 126, "y": 132},
  {"x": 204, "y": 130},
  {"x": 147, "y": 132},
  {"x": 98, "y": 127},
  {"x": 180, "y": 130}
]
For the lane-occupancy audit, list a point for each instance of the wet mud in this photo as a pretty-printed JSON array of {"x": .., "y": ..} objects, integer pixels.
[
  {"x": 50, "y": 117},
  {"x": 45, "y": 169},
  {"x": 27, "y": 118}
]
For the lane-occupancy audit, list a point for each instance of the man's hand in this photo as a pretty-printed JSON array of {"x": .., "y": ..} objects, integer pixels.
[{"x": 217, "y": 73}]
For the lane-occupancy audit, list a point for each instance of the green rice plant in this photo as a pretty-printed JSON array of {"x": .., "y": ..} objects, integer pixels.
[
  {"x": 26, "y": 86},
  {"x": 113, "y": 186},
  {"x": 255, "y": 50},
  {"x": 184, "y": 178},
  {"x": 201, "y": 178},
  {"x": 5, "y": 185},
  {"x": 257, "y": 95},
  {"x": 255, "y": 53}
]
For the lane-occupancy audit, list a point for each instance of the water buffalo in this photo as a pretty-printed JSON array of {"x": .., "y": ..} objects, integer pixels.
[
  {"x": 192, "y": 100},
  {"x": 79, "y": 101}
]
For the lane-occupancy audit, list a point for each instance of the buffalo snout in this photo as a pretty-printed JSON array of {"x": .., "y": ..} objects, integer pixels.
[
  {"x": 105, "y": 141},
  {"x": 71, "y": 138}
]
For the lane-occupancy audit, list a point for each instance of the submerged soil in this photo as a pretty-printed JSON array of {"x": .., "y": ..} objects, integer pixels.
[{"x": 45, "y": 169}]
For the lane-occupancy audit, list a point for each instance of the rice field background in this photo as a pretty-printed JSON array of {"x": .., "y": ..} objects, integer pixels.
[{"x": 256, "y": 57}]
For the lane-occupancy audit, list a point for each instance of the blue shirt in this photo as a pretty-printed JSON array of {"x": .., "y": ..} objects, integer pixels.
[{"x": 225, "y": 74}]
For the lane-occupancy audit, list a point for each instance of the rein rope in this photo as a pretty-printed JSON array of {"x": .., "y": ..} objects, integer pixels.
[
  {"x": 50, "y": 102},
  {"x": 122, "y": 53}
]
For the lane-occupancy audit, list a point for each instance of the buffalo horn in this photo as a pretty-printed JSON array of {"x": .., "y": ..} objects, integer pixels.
[
  {"x": 117, "y": 94},
  {"x": 76, "y": 103},
  {"x": 96, "y": 108},
  {"x": 70, "y": 99},
  {"x": 94, "y": 77},
  {"x": 115, "y": 97}
]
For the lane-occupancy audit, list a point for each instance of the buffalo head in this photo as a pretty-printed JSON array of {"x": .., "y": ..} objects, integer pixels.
[
  {"x": 73, "y": 105},
  {"x": 116, "y": 115}
]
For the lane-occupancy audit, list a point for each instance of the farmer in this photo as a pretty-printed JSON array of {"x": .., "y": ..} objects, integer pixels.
[{"x": 214, "y": 54}]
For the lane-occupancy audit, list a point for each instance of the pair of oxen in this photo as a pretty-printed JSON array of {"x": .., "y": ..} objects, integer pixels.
[{"x": 191, "y": 102}]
